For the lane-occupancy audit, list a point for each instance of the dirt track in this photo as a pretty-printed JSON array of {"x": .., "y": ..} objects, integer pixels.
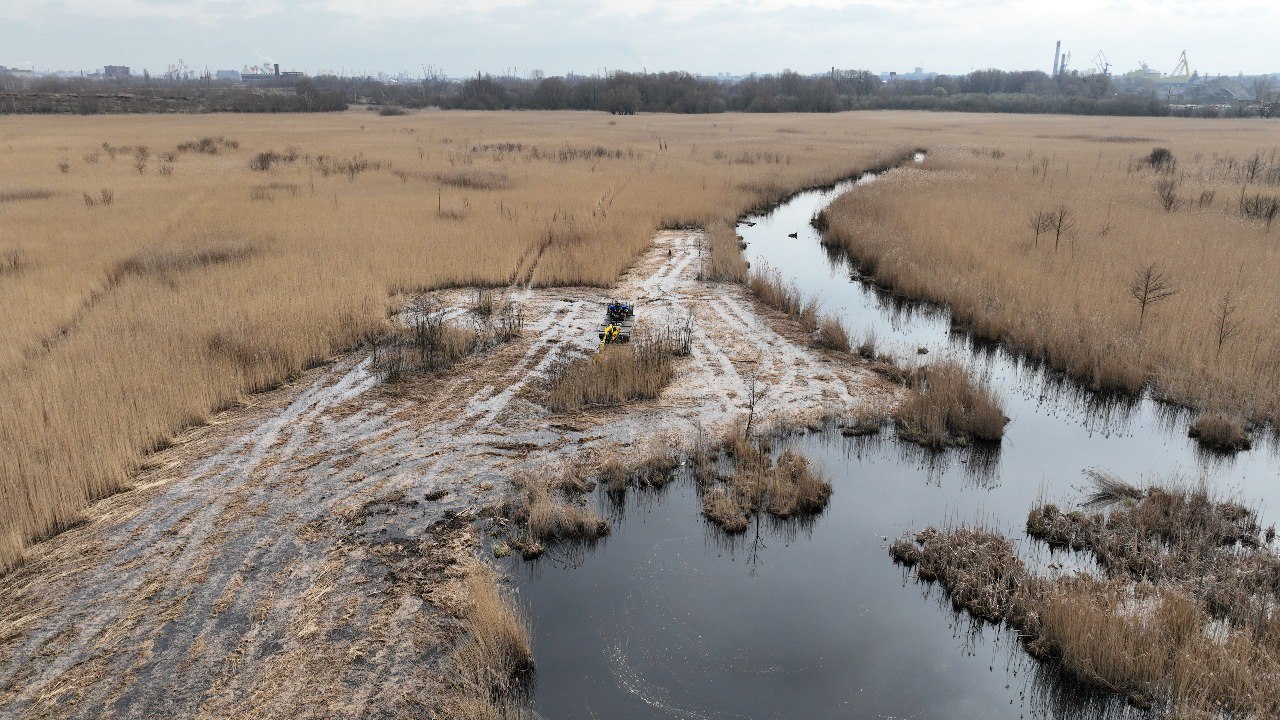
[{"x": 297, "y": 556}]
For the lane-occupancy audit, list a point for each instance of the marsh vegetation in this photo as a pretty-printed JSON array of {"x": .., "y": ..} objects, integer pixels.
[{"x": 1181, "y": 616}]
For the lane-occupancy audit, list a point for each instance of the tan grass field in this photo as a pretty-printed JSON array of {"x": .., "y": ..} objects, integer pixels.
[
  {"x": 141, "y": 291},
  {"x": 960, "y": 231}
]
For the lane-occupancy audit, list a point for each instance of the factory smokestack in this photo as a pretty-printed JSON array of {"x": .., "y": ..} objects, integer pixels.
[
  {"x": 277, "y": 67},
  {"x": 1057, "y": 53}
]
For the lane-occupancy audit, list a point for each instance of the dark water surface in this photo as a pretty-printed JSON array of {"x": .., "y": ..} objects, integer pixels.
[{"x": 670, "y": 619}]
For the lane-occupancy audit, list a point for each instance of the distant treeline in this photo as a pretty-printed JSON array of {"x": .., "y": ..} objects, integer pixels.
[
  {"x": 621, "y": 93},
  {"x": 626, "y": 93}
]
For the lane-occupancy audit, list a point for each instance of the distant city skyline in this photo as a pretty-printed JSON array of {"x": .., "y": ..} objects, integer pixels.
[{"x": 702, "y": 36}]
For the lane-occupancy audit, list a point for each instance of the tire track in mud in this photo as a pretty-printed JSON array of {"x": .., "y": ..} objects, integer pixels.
[{"x": 293, "y": 557}]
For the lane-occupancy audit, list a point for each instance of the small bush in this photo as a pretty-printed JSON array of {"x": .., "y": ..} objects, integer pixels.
[
  {"x": 794, "y": 487},
  {"x": 392, "y": 111},
  {"x": 949, "y": 408},
  {"x": 428, "y": 345},
  {"x": 1160, "y": 159},
  {"x": 264, "y": 161},
  {"x": 1223, "y": 433}
]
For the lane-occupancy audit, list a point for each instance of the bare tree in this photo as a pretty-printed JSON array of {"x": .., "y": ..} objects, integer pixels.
[
  {"x": 1225, "y": 322},
  {"x": 1262, "y": 88},
  {"x": 1064, "y": 222},
  {"x": 1167, "y": 191},
  {"x": 1040, "y": 223},
  {"x": 754, "y": 392},
  {"x": 1150, "y": 286}
]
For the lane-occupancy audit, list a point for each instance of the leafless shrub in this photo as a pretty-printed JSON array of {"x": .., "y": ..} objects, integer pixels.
[
  {"x": 428, "y": 345},
  {"x": 1260, "y": 207},
  {"x": 64, "y": 167},
  {"x": 1150, "y": 286},
  {"x": 15, "y": 195},
  {"x": 1040, "y": 222},
  {"x": 1160, "y": 159},
  {"x": 486, "y": 302},
  {"x": 351, "y": 167},
  {"x": 166, "y": 170},
  {"x": 475, "y": 179},
  {"x": 208, "y": 145},
  {"x": 1167, "y": 193},
  {"x": 106, "y": 197},
  {"x": 140, "y": 157},
  {"x": 264, "y": 161}
]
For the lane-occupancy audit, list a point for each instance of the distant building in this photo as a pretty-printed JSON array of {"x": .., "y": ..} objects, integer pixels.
[
  {"x": 116, "y": 72},
  {"x": 917, "y": 74},
  {"x": 275, "y": 78},
  {"x": 229, "y": 75}
]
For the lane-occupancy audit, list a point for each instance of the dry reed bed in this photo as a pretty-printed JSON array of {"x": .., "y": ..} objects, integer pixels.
[
  {"x": 1184, "y": 616},
  {"x": 98, "y": 367},
  {"x": 492, "y": 665},
  {"x": 616, "y": 375},
  {"x": 1126, "y": 267},
  {"x": 948, "y": 407},
  {"x": 740, "y": 478}
]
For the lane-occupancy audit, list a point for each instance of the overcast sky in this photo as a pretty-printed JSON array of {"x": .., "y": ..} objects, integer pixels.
[{"x": 702, "y": 36}]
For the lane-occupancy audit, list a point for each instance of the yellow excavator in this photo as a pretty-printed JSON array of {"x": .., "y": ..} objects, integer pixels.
[{"x": 619, "y": 318}]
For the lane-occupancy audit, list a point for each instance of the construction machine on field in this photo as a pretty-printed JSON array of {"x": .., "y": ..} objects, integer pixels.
[{"x": 619, "y": 318}]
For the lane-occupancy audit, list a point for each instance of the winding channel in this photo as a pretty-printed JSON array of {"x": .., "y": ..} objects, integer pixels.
[{"x": 670, "y": 619}]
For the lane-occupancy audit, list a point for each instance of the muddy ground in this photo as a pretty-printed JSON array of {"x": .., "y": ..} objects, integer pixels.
[{"x": 299, "y": 555}]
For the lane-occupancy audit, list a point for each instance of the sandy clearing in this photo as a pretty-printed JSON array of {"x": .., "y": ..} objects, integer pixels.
[{"x": 298, "y": 556}]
